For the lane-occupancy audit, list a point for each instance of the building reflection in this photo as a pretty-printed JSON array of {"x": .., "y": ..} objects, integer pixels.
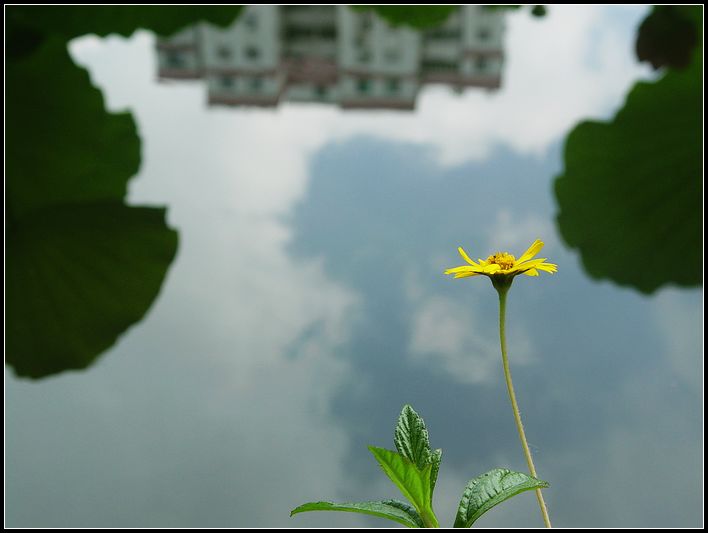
[{"x": 334, "y": 54}]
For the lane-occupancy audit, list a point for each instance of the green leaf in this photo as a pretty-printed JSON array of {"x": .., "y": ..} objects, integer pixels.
[
  {"x": 435, "y": 460},
  {"x": 76, "y": 20},
  {"x": 411, "y": 438},
  {"x": 413, "y": 483},
  {"x": 392, "y": 509},
  {"x": 77, "y": 277},
  {"x": 413, "y": 442},
  {"x": 62, "y": 146},
  {"x": 668, "y": 36},
  {"x": 490, "y": 489},
  {"x": 539, "y": 11},
  {"x": 630, "y": 196},
  {"x": 418, "y": 17},
  {"x": 81, "y": 266}
]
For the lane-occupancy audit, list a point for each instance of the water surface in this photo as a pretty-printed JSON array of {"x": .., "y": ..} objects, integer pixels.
[{"x": 307, "y": 305}]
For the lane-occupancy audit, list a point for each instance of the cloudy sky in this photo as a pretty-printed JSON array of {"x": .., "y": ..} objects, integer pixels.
[{"x": 306, "y": 306}]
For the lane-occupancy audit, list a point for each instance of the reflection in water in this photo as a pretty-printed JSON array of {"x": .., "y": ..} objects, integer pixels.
[
  {"x": 336, "y": 55},
  {"x": 307, "y": 304},
  {"x": 584, "y": 349}
]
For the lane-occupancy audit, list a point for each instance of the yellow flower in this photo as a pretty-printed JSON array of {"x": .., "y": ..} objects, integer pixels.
[{"x": 502, "y": 264}]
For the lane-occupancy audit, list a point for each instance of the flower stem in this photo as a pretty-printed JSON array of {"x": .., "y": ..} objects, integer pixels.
[{"x": 512, "y": 396}]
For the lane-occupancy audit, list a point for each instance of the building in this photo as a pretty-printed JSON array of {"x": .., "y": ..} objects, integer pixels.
[{"x": 334, "y": 54}]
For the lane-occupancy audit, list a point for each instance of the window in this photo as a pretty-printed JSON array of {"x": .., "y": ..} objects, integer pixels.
[
  {"x": 392, "y": 55},
  {"x": 365, "y": 21},
  {"x": 321, "y": 91},
  {"x": 482, "y": 64},
  {"x": 359, "y": 40},
  {"x": 252, "y": 53},
  {"x": 257, "y": 84},
  {"x": 393, "y": 85},
  {"x": 363, "y": 85},
  {"x": 223, "y": 52},
  {"x": 439, "y": 65},
  {"x": 364, "y": 56},
  {"x": 444, "y": 34},
  {"x": 251, "y": 21},
  {"x": 175, "y": 59},
  {"x": 296, "y": 33},
  {"x": 226, "y": 82},
  {"x": 484, "y": 34}
]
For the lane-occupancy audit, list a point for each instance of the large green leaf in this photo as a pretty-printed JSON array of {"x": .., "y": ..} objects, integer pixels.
[
  {"x": 73, "y": 21},
  {"x": 413, "y": 483},
  {"x": 61, "y": 145},
  {"x": 77, "y": 276},
  {"x": 490, "y": 489},
  {"x": 81, "y": 266},
  {"x": 668, "y": 36},
  {"x": 630, "y": 196},
  {"x": 392, "y": 509}
]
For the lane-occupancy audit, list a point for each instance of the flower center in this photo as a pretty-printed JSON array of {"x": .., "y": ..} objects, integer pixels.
[{"x": 503, "y": 259}]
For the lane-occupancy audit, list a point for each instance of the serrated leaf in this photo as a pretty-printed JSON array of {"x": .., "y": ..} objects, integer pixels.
[
  {"x": 435, "y": 460},
  {"x": 411, "y": 437},
  {"x": 413, "y": 483},
  {"x": 391, "y": 509},
  {"x": 412, "y": 441},
  {"x": 490, "y": 489}
]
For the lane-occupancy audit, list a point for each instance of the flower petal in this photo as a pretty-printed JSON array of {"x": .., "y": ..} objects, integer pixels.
[
  {"x": 463, "y": 268},
  {"x": 531, "y": 272},
  {"x": 466, "y": 257},
  {"x": 547, "y": 267},
  {"x": 466, "y": 274},
  {"x": 530, "y": 264},
  {"x": 491, "y": 268},
  {"x": 532, "y": 250}
]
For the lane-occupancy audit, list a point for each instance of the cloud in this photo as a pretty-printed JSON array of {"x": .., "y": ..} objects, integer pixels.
[
  {"x": 675, "y": 319},
  {"x": 515, "y": 233},
  {"x": 453, "y": 337},
  {"x": 235, "y": 302}
]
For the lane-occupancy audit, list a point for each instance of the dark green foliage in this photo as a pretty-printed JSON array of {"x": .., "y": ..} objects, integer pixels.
[
  {"x": 668, "y": 36},
  {"x": 73, "y": 21},
  {"x": 539, "y": 11},
  {"x": 81, "y": 265},
  {"x": 61, "y": 145},
  {"x": 418, "y": 17},
  {"x": 536, "y": 11},
  {"x": 630, "y": 196},
  {"x": 77, "y": 276}
]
